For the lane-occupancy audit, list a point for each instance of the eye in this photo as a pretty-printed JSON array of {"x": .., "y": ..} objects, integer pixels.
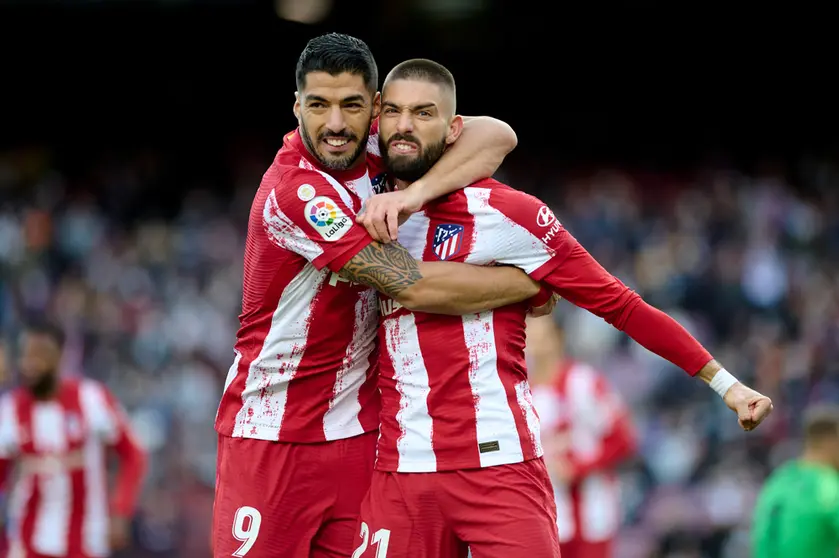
[
  {"x": 424, "y": 114},
  {"x": 316, "y": 104},
  {"x": 390, "y": 110}
]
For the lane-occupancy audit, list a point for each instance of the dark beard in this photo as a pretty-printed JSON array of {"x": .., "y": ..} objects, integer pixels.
[
  {"x": 44, "y": 386},
  {"x": 344, "y": 163},
  {"x": 411, "y": 169}
]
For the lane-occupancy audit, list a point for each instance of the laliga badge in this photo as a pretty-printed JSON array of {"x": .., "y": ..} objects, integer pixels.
[
  {"x": 327, "y": 218},
  {"x": 306, "y": 192}
]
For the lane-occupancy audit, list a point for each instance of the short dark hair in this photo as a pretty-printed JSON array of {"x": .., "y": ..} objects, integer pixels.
[
  {"x": 335, "y": 53},
  {"x": 423, "y": 69},
  {"x": 821, "y": 422},
  {"x": 41, "y": 326}
]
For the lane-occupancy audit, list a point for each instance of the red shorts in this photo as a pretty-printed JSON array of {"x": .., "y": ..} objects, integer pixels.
[
  {"x": 583, "y": 549},
  {"x": 292, "y": 500},
  {"x": 506, "y": 511}
]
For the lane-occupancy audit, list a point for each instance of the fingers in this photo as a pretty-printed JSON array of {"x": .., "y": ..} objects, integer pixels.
[
  {"x": 381, "y": 220},
  {"x": 545, "y": 309},
  {"x": 393, "y": 222},
  {"x": 373, "y": 221},
  {"x": 751, "y": 415},
  {"x": 369, "y": 227},
  {"x": 762, "y": 410},
  {"x": 378, "y": 222}
]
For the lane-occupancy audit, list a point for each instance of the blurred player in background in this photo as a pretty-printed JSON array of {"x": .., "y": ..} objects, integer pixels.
[
  {"x": 587, "y": 432},
  {"x": 459, "y": 458},
  {"x": 56, "y": 434},
  {"x": 797, "y": 513},
  {"x": 299, "y": 416}
]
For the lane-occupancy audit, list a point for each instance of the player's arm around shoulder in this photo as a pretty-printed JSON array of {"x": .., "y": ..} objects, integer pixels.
[
  {"x": 476, "y": 154},
  {"x": 437, "y": 287}
]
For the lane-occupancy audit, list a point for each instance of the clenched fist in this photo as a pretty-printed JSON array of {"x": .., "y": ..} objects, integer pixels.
[{"x": 751, "y": 407}]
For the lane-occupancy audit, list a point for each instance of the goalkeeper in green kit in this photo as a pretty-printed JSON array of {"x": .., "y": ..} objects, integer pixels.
[{"x": 797, "y": 513}]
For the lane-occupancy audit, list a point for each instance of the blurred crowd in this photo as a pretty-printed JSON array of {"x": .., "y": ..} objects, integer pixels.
[{"x": 150, "y": 301}]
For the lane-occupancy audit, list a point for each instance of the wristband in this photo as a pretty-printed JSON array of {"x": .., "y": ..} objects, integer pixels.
[
  {"x": 722, "y": 382},
  {"x": 542, "y": 297}
]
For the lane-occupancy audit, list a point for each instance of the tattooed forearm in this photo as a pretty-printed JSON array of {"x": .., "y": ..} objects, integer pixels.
[{"x": 388, "y": 268}]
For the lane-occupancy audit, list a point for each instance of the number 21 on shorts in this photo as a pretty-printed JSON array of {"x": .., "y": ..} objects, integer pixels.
[
  {"x": 381, "y": 539},
  {"x": 246, "y": 524}
]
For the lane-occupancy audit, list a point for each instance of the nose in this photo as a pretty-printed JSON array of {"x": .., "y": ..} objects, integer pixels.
[
  {"x": 336, "y": 122},
  {"x": 405, "y": 124}
]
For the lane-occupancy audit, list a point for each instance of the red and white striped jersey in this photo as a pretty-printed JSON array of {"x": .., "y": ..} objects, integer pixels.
[
  {"x": 586, "y": 425},
  {"x": 59, "y": 499},
  {"x": 454, "y": 388},
  {"x": 304, "y": 355}
]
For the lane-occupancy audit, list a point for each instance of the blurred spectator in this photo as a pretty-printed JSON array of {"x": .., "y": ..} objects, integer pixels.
[{"x": 149, "y": 293}]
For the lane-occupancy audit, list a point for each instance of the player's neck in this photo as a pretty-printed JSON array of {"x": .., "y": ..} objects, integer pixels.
[
  {"x": 45, "y": 390},
  {"x": 47, "y": 395},
  {"x": 815, "y": 457}
]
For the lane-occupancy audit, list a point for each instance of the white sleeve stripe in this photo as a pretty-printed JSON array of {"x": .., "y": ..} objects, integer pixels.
[
  {"x": 284, "y": 233},
  {"x": 337, "y": 186},
  {"x": 98, "y": 410},
  {"x": 341, "y": 191},
  {"x": 495, "y": 233}
]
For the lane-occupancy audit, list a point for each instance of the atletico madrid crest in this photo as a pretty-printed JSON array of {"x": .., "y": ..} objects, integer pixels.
[{"x": 447, "y": 241}]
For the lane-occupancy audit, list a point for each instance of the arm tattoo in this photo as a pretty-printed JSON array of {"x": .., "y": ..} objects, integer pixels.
[{"x": 388, "y": 268}]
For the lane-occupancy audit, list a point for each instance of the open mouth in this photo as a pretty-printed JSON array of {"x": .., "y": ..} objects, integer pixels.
[
  {"x": 337, "y": 144},
  {"x": 401, "y": 146}
]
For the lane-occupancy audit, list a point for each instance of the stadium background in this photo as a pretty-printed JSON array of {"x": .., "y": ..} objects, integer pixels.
[{"x": 694, "y": 154}]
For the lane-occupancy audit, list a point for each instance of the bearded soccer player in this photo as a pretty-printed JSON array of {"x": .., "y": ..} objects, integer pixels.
[
  {"x": 797, "y": 512},
  {"x": 459, "y": 461},
  {"x": 55, "y": 433},
  {"x": 298, "y": 419}
]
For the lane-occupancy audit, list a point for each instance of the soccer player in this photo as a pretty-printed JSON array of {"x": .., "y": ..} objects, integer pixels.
[
  {"x": 587, "y": 431},
  {"x": 298, "y": 418},
  {"x": 797, "y": 512},
  {"x": 459, "y": 460},
  {"x": 56, "y": 433}
]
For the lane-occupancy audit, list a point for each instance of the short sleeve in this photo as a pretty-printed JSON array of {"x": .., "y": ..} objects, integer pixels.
[
  {"x": 104, "y": 413},
  {"x": 311, "y": 214}
]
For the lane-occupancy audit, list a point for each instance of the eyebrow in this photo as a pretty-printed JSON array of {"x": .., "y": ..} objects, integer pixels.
[
  {"x": 350, "y": 99},
  {"x": 415, "y": 107}
]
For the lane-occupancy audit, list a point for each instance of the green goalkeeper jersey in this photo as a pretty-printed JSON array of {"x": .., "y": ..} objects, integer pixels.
[{"x": 797, "y": 513}]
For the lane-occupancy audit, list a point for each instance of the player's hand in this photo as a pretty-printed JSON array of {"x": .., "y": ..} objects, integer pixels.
[
  {"x": 120, "y": 532},
  {"x": 383, "y": 213},
  {"x": 545, "y": 309},
  {"x": 751, "y": 407}
]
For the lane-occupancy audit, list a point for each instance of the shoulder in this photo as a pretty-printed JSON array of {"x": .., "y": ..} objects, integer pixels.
[
  {"x": 294, "y": 187},
  {"x": 501, "y": 196},
  {"x": 93, "y": 391},
  {"x": 9, "y": 398},
  {"x": 287, "y": 178},
  {"x": 491, "y": 196}
]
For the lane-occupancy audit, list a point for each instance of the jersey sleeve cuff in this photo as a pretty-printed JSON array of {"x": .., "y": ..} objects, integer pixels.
[{"x": 336, "y": 261}]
